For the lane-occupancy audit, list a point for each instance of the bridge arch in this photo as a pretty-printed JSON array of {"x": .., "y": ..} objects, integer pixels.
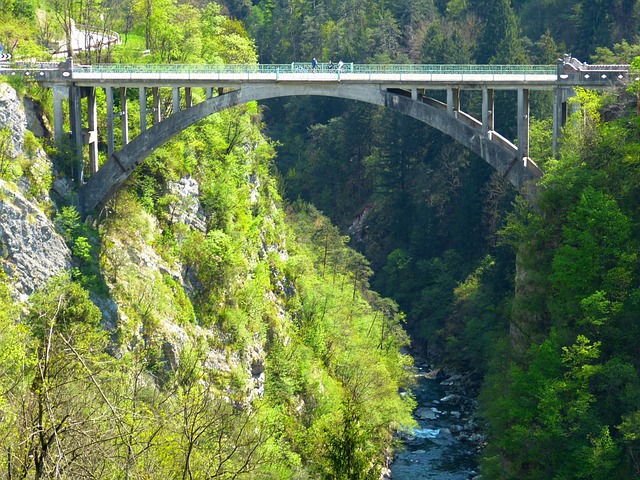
[{"x": 497, "y": 152}]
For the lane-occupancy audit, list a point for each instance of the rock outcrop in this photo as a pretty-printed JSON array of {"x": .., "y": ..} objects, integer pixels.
[
  {"x": 14, "y": 118},
  {"x": 32, "y": 251},
  {"x": 186, "y": 209}
]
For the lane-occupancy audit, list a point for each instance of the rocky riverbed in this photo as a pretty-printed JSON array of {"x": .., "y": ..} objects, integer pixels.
[{"x": 447, "y": 442}]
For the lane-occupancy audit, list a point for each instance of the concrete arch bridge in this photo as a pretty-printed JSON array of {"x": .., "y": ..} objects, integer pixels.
[{"x": 404, "y": 88}]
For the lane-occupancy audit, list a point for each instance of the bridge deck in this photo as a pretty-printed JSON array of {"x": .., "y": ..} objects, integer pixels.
[
  {"x": 541, "y": 77},
  {"x": 418, "y": 80}
]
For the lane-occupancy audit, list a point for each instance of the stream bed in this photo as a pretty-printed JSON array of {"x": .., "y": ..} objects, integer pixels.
[{"x": 445, "y": 445}]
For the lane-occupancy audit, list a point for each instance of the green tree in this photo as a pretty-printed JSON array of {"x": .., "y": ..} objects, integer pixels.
[{"x": 500, "y": 42}]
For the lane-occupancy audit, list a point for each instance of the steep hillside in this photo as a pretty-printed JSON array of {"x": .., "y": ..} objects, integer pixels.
[{"x": 194, "y": 327}]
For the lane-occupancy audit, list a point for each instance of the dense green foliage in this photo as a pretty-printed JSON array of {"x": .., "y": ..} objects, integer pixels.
[{"x": 540, "y": 303}]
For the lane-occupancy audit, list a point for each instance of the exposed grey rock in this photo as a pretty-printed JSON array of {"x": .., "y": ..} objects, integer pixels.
[
  {"x": 357, "y": 228},
  {"x": 36, "y": 121},
  {"x": 452, "y": 399},
  {"x": 187, "y": 208},
  {"x": 426, "y": 413},
  {"x": 18, "y": 119},
  {"x": 109, "y": 310},
  {"x": 64, "y": 188},
  {"x": 452, "y": 380},
  {"x": 32, "y": 251},
  {"x": 254, "y": 358},
  {"x": 13, "y": 117}
]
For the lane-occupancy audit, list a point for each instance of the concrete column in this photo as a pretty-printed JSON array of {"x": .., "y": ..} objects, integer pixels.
[
  {"x": 560, "y": 114},
  {"x": 75, "y": 117},
  {"x": 108, "y": 92},
  {"x": 92, "y": 113},
  {"x": 453, "y": 100},
  {"x": 124, "y": 114},
  {"x": 157, "y": 114},
  {"x": 557, "y": 118},
  {"x": 414, "y": 94},
  {"x": 142, "y": 97},
  {"x": 488, "y": 124},
  {"x": 60, "y": 93},
  {"x": 176, "y": 99},
  {"x": 523, "y": 124},
  {"x": 188, "y": 97},
  {"x": 208, "y": 92}
]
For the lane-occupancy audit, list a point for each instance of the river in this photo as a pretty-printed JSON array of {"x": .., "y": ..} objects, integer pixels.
[{"x": 445, "y": 444}]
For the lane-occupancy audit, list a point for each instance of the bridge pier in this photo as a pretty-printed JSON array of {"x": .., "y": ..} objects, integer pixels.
[
  {"x": 75, "y": 121},
  {"x": 142, "y": 100},
  {"x": 92, "y": 133},
  {"x": 60, "y": 93},
  {"x": 523, "y": 124},
  {"x": 560, "y": 113},
  {"x": 453, "y": 100},
  {"x": 488, "y": 124},
  {"x": 108, "y": 91},
  {"x": 157, "y": 114},
  {"x": 176, "y": 99},
  {"x": 124, "y": 115}
]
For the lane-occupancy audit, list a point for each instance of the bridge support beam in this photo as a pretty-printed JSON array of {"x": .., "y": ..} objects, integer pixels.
[
  {"x": 92, "y": 134},
  {"x": 188, "y": 97},
  {"x": 75, "y": 120},
  {"x": 523, "y": 124},
  {"x": 108, "y": 92},
  {"x": 60, "y": 93},
  {"x": 157, "y": 114},
  {"x": 453, "y": 100},
  {"x": 488, "y": 124},
  {"x": 560, "y": 114},
  {"x": 124, "y": 115},
  {"x": 176, "y": 99},
  {"x": 142, "y": 99}
]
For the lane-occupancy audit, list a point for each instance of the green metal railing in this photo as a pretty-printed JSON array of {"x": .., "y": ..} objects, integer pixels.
[{"x": 298, "y": 67}]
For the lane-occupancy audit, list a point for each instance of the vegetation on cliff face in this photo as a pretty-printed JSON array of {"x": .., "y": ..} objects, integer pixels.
[{"x": 234, "y": 339}]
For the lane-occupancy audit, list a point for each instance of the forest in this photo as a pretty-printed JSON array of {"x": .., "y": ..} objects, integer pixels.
[{"x": 338, "y": 237}]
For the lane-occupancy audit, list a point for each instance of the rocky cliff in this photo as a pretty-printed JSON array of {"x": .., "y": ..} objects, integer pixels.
[{"x": 32, "y": 251}]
